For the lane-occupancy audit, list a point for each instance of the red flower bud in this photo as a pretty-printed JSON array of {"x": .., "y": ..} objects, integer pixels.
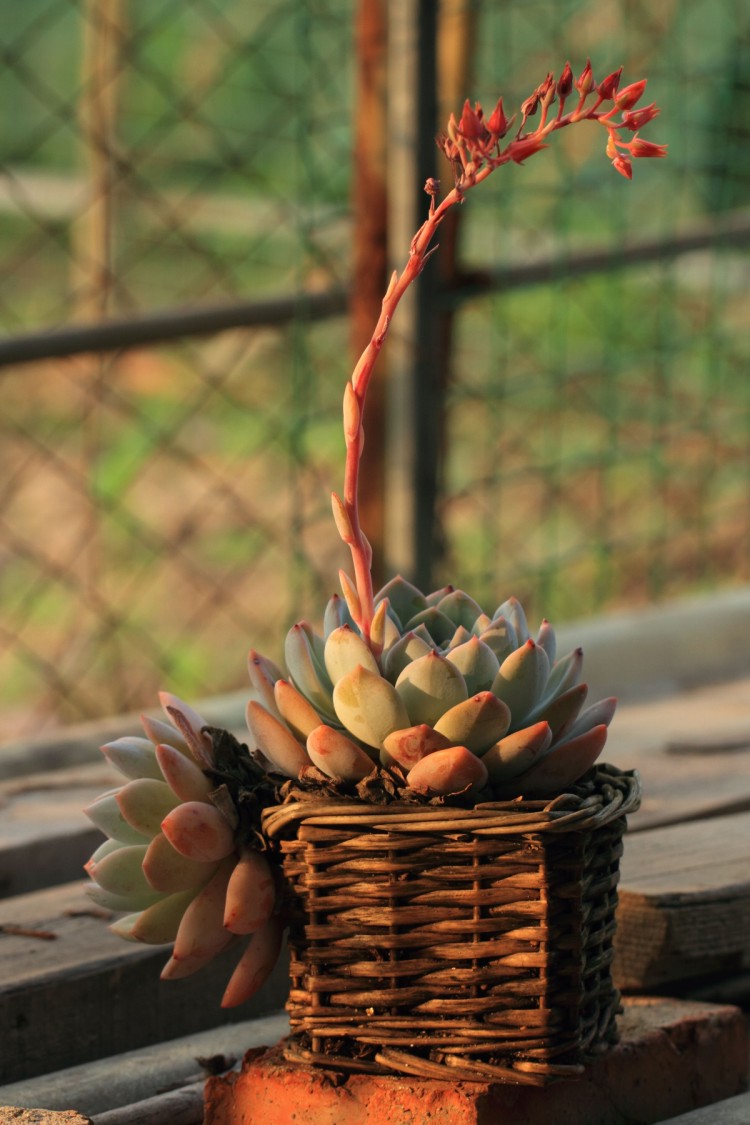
[
  {"x": 585, "y": 81},
  {"x": 630, "y": 95},
  {"x": 608, "y": 88},
  {"x": 640, "y": 117},
  {"x": 526, "y": 146},
  {"x": 530, "y": 106},
  {"x": 498, "y": 123},
  {"x": 565, "y": 82},
  {"x": 470, "y": 126},
  {"x": 546, "y": 90},
  {"x": 623, "y": 166},
  {"x": 646, "y": 148}
]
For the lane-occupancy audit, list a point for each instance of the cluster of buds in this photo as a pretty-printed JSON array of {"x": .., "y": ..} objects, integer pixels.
[{"x": 473, "y": 143}]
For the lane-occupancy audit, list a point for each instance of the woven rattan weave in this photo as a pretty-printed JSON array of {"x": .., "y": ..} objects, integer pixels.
[{"x": 454, "y": 943}]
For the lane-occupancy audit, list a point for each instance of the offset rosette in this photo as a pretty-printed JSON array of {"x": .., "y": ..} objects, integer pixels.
[
  {"x": 178, "y": 861},
  {"x": 458, "y": 699}
]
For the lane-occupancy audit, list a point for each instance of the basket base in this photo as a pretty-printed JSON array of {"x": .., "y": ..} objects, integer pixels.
[{"x": 674, "y": 1056}]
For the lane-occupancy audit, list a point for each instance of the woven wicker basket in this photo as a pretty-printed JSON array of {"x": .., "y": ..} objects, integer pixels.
[{"x": 454, "y": 943}]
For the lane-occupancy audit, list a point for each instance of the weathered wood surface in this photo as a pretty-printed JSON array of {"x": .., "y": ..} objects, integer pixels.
[
  {"x": 84, "y": 994},
  {"x": 733, "y": 1111},
  {"x": 136, "y": 1077},
  {"x": 691, "y": 750},
  {"x": 44, "y": 836},
  {"x": 684, "y": 910}
]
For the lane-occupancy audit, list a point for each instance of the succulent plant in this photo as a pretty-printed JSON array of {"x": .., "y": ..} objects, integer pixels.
[
  {"x": 455, "y": 699},
  {"x": 179, "y": 859},
  {"x": 421, "y": 697}
]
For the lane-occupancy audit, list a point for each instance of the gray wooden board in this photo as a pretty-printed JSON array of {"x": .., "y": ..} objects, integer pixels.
[
  {"x": 44, "y": 836},
  {"x": 684, "y": 908},
  {"x": 733, "y": 1111},
  {"x": 692, "y": 751},
  {"x": 87, "y": 994},
  {"x": 134, "y": 1076}
]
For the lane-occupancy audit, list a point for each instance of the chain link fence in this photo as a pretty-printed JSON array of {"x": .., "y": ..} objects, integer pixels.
[{"x": 165, "y": 503}]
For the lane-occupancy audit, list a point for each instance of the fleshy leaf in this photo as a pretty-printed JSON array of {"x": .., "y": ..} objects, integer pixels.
[
  {"x": 517, "y": 752},
  {"x": 106, "y": 814},
  {"x": 429, "y": 687},
  {"x": 199, "y": 832},
  {"x": 407, "y": 747},
  {"x": 299, "y": 715},
  {"x": 448, "y": 771},
  {"x": 144, "y": 804},
  {"x": 133, "y": 757},
  {"x": 477, "y": 664},
  {"x": 440, "y": 627},
  {"x": 337, "y": 756},
  {"x": 307, "y": 670},
  {"x": 276, "y": 741},
  {"x": 369, "y": 707},
  {"x": 344, "y": 650},
  {"x": 182, "y": 775},
  {"x": 460, "y": 608},
  {"x": 157, "y": 924},
  {"x": 408, "y": 649},
  {"x": 561, "y": 711},
  {"x": 121, "y": 873},
  {"x": 512, "y": 611},
  {"x": 263, "y": 675},
  {"x": 477, "y": 722},
  {"x": 336, "y": 614},
  {"x": 501, "y": 638},
  {"x": 406, "y": 600},
  {"x": 521, "y": 680},
  {"x": 168, "y": 871},
  {"x": 563, "y": 765}
]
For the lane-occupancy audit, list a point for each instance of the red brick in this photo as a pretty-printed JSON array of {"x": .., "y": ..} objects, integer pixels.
[{"x": 673, "y": 1057}]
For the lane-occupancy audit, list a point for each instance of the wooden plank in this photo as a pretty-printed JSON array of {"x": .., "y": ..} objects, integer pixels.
[
  {"x": 684, "y": 909},
  {"x": 85, "y": 994},
  {"x": 135, "y": 1077},
  {"x": 733, "y": 1111},
  {"x": 44, "y": 836},
  {"x": 691, "y": 750}
]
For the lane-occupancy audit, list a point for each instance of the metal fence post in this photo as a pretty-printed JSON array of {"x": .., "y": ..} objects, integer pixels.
[{"x": 414, "y": 400}]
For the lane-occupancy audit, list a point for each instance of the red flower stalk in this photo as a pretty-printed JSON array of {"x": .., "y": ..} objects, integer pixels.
[{"x": 474, "y": 148}]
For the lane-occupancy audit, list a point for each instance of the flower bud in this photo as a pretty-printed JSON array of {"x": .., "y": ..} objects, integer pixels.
[
  {"x": 623, "y": 166},
  {"x": 530, "y": 106},
  {"x": 565, "y": 82},
  {"x": 608, "y": 87},
  {"x": 498, "y": 123},
  {"x": 527, "y": 146},
  {"x": 470, "y": 126},
  {"x": 585, "y": 81},
  {"x": 640, "y": 148},
  {"x": 640, "y": 117},
  {"x": 630, "y": 95}
]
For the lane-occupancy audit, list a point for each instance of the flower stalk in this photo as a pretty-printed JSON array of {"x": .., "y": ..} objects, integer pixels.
[{"x": 474, "y": 147}]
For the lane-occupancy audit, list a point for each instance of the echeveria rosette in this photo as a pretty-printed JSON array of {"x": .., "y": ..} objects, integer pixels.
[
  {"x": 178, "y": 862},
  {"x": 457, "y": 701}
]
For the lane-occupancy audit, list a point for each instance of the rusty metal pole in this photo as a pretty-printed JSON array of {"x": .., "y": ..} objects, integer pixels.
[
  {"x": 414, "y": 407},
  {"x": 370, "y": 205}
]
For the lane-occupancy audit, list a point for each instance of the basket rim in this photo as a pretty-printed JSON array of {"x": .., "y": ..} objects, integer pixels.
[{"x": 607, "y": 794}]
